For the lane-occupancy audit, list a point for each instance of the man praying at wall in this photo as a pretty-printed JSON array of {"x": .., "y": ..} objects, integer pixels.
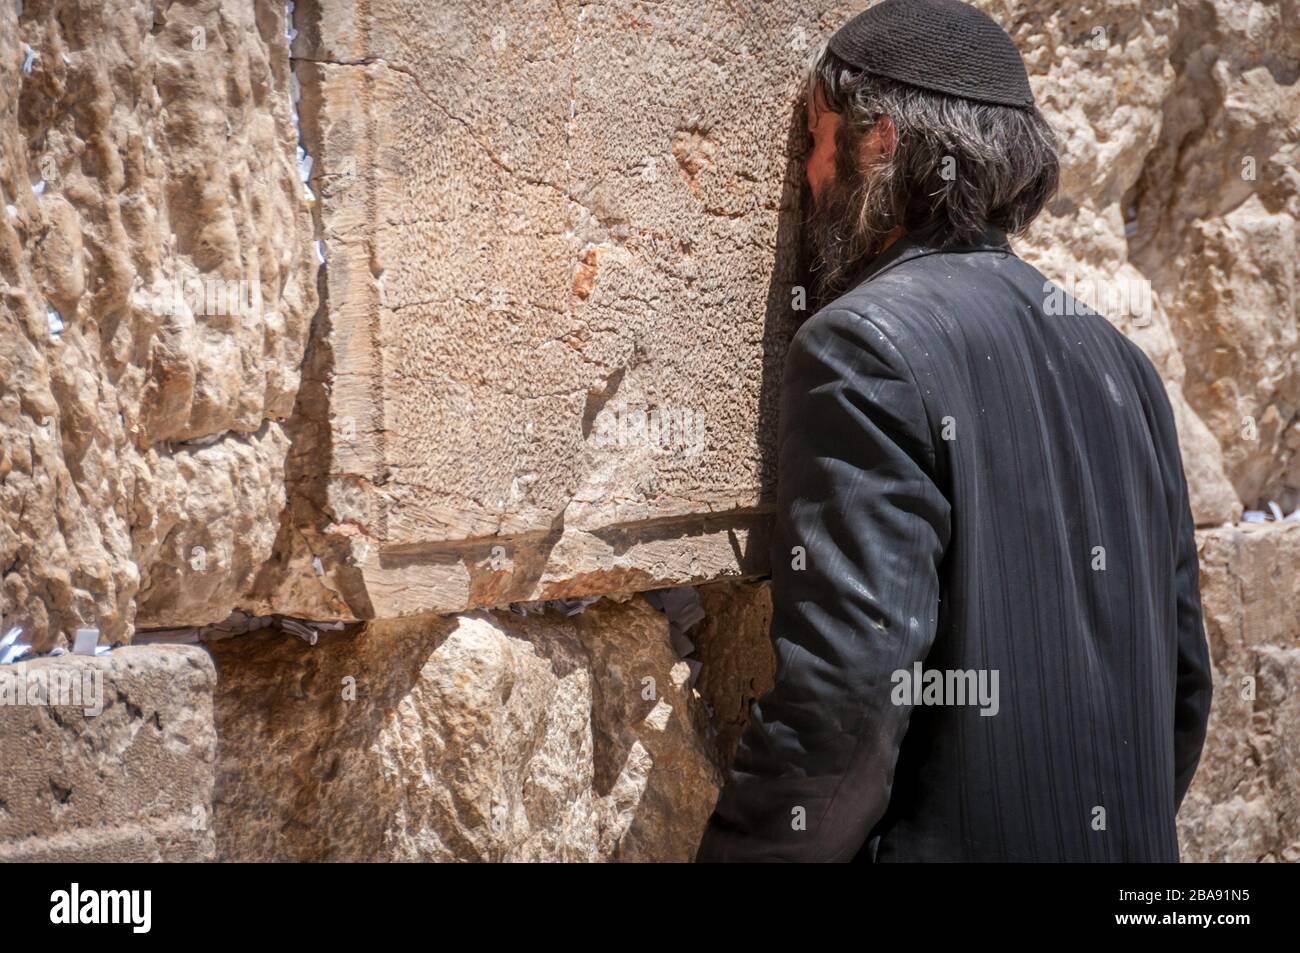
[{"x": 971, "y": 484}]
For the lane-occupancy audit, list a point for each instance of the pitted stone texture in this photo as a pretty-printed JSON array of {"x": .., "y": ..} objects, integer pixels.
[
  {"x": 734, "y": 647},
  {"x": 482, "y": 737},
  {"x": 1244, "y": 804},
  {"x": 141, "y": 450},
  {"x": 606, "y": 244},
  {"x": 131, "y": 782}
]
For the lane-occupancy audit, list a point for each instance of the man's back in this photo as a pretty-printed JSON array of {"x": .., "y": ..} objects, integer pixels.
[
  {"x": 1059, "y": 463},
  {"x": 994, "y": 494}
]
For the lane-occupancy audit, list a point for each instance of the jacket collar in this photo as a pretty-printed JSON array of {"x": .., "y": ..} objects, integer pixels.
[{"x": 927, "y": 241}]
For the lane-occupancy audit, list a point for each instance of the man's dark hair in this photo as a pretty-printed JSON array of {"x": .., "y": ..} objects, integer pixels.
[{"x": 959, "y": 166}]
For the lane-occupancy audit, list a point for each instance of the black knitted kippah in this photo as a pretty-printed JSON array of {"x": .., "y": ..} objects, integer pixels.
[{"x": 942, "y": 45}]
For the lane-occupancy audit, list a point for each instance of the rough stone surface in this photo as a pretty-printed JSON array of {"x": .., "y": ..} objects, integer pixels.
[
  {"x": 562, "y": 272},
  {"x": 480, "y": 737},
  {"x": 561, "y": 244},
  {"x": 606, "y": 232},
  {"x": 1244, "y": 804},
  {"x": 146, "y": 154},
  {"x": 132, "y": 780},
  {"x": 1214, "y": 215},
  {"x": 606, "y": 214},
  {"x": 734, "y": 647}
]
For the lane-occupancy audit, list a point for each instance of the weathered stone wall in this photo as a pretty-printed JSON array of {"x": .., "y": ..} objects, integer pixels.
[
  {"x": 110, "y": 758},
  {"x": 602, "y": 212},
  {"x": 145, "y": 154},
  {"x": 546, "y": 230},
  {"x": 546, "y": 226},
  {"x": 494, "y": 737},
  {"x": 479, "y": 737},
  {"x": 1244, "y": 804},
  {"x": 542, "y": 226}
]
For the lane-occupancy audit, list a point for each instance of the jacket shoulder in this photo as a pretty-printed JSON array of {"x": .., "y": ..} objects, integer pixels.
[
  {"x": 850, "y": 351},
  {"x": 855, "y": 321}
]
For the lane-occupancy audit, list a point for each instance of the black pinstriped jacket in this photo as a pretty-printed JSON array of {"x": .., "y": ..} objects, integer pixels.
[{"x": 972, "y": 482}]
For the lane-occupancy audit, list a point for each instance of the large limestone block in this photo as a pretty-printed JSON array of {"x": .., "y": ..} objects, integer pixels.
[
  {"x": 157, "y": 280},
  {"x": 561, "y": 244},
  {"x": 1244, "y": 804},
  {"x": 108, "y": 758},
  {"x": 481, "y": 737}
]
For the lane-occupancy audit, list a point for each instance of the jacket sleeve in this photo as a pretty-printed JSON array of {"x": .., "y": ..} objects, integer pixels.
[
  {"x": 860, "y": 532},
  {"x": 1194, "y": 689},
  {"x": 1193, "y": 685}
]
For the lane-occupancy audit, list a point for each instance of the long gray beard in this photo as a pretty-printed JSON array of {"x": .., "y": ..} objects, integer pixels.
[{"x": 840, "y": 240}]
